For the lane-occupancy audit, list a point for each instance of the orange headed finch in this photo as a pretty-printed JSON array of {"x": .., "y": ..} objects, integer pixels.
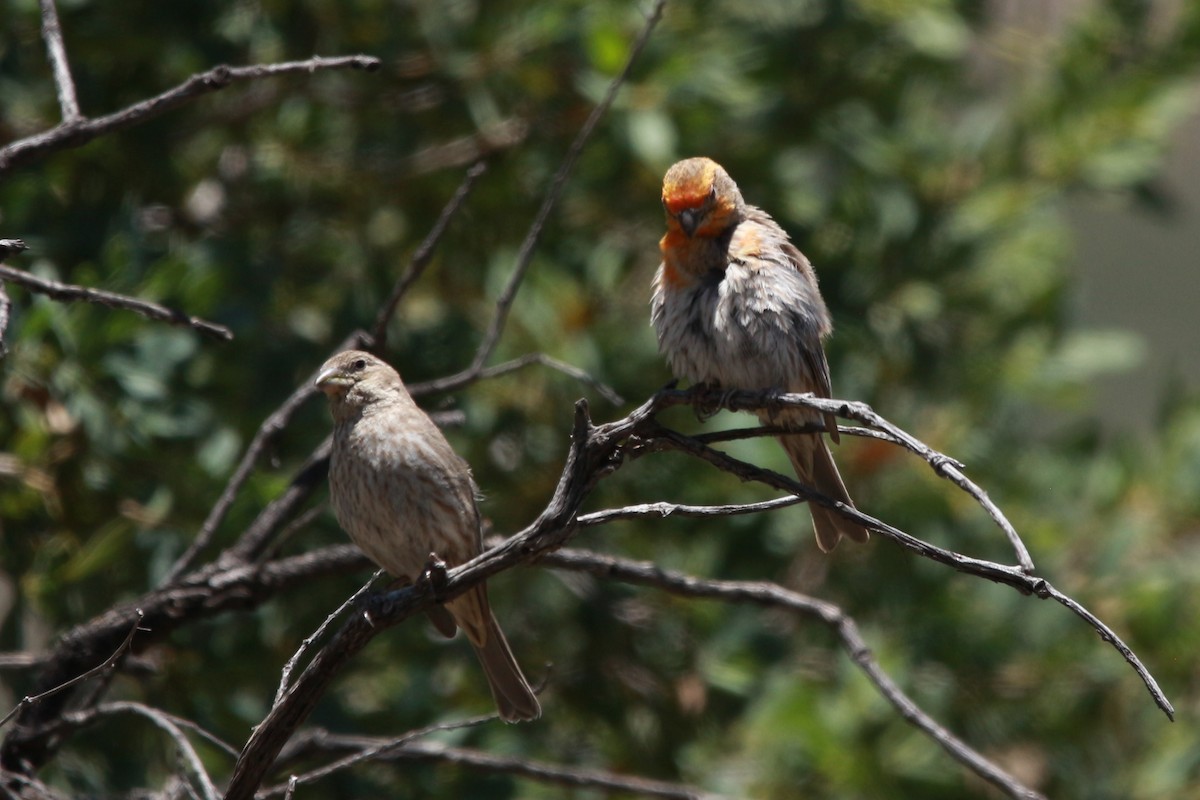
[
  {"x": 736, "y": 305},
  {"x": 402, "y": 493}
]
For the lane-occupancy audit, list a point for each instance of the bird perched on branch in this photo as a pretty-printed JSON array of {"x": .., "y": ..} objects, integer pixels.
[
  {"x": 736, "y": 305},
  {"x": 402, "y": 493}
]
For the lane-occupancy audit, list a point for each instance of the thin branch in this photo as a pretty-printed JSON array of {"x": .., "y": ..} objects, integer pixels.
[
  {"x": 319, "y": 633},
  {"x": 424, "y": 254},
  {"x": 362, "y": 749},
  {"x": 525, "y": 255},
  {"x": 107, "y": 665},
  {"x": 81, "y": 131},
  {"x": 554, "y": 774},
  {"x": 1016, "y": 577},
  {"x": 298, "y": 524},
  {"x": 171, "y": 724},
  {"x": 53, "y": 36},
  {"x": 763, "y": 593},
  {"x": 529, "y": 359},
  {"x": 70, "y": 292},
  {"x": 663, "y": 510},
  {"x": 942, "y": 465},
  {"x": 132, "y": 664},
  {"x": 202, "y": 594},
  {"x": 256, "y": 539}
]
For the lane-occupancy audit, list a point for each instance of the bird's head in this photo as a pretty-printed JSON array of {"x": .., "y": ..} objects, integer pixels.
[
  {"x": 701, "y": 199},
  {"x": 354, "y": 379}
]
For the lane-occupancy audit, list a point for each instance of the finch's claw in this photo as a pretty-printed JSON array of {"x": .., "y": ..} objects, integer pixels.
[
  {"x": 772, "y": 406},
  {"x": 704, "y": 408},
  {"x": 434, "y": 574}
]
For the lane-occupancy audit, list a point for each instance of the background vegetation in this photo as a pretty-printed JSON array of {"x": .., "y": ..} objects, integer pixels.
[{"x": 918, "y": 156}]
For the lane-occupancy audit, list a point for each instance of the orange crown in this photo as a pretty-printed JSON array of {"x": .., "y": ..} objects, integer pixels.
[{"x": 688, "y": 184}]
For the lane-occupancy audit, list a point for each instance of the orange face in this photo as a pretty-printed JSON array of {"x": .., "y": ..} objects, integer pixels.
[
  {"x": 700, "y": 198},
  {"x": 689, "y": 185}
]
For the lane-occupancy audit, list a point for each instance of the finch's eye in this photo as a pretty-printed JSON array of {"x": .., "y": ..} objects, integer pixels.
[{"x": 359, "y": 365}]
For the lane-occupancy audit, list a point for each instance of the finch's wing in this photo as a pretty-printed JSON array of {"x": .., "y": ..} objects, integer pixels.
[{"x": 812, "y": 351}]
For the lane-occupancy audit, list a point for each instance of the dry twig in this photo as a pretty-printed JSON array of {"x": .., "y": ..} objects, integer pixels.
[
  {"x": 770, "y": 595},
  {"x": 70, "y": 292},
  {"x": 80, "y": 131}
]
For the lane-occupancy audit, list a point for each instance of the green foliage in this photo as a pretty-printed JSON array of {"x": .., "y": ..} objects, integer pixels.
[{"x": 923, "y": 175}]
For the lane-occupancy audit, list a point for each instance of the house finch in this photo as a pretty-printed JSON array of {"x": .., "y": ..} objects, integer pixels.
[
  {"x": 736, "y": 305},
  {"x": 402, "y": 493}
]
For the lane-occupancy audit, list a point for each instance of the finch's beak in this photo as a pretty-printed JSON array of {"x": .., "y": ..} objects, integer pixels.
[
  {"x": 688, "y": 220},
  {"x": 331, "y": 381}
]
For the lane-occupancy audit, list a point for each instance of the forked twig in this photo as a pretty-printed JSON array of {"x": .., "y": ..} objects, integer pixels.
[
  {"x": 423, "y": 254},
  {"x": 80, "y": 131},
  {"x": 286, "y": 675},
  {"x": 107, "y": 665},
  {"x": 763, "y": 593},
  {"x": 70, "y": 292}
]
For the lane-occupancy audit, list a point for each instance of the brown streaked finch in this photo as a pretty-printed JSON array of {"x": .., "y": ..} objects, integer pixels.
[{"x": 402, "y": 493}]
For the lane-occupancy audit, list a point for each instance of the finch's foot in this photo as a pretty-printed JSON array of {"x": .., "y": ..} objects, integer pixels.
[
  {"x": 434, "y": 574},
  {"x": 704, "y": 408}
]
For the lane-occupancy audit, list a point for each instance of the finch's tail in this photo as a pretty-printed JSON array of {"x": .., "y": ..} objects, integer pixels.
[
  {"x": 814, "y": 466},
  {"x": 514, "y": 699}
]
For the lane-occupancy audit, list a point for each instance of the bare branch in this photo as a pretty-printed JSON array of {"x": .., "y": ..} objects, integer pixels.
[
  {"x": 81, "y": 131},
  {"x": 424, "y": 254},
  {"x": 171, "y": 724},
  {"x": 361, "y": 748},
  {"x": 463, "y": 378},
  {"x": 256, "y": 539},
  {"x": 943, "y": 465},
  {"x": 664, "y": 510},
  {"x": 53, "y": 36},
  {"x": 70, "y": 292},
  {"x": 130, "y": 665},
  {"x": 763, "y": 593},
  {"x": 108, "y": 665},
  {"x": 375, "y": 749},
  {"x": 1016, "y": 577},
  {"x": 200, "y": 595},
  {"x": 317, "y": 635},
  {"x": 525, "y": 255}
]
